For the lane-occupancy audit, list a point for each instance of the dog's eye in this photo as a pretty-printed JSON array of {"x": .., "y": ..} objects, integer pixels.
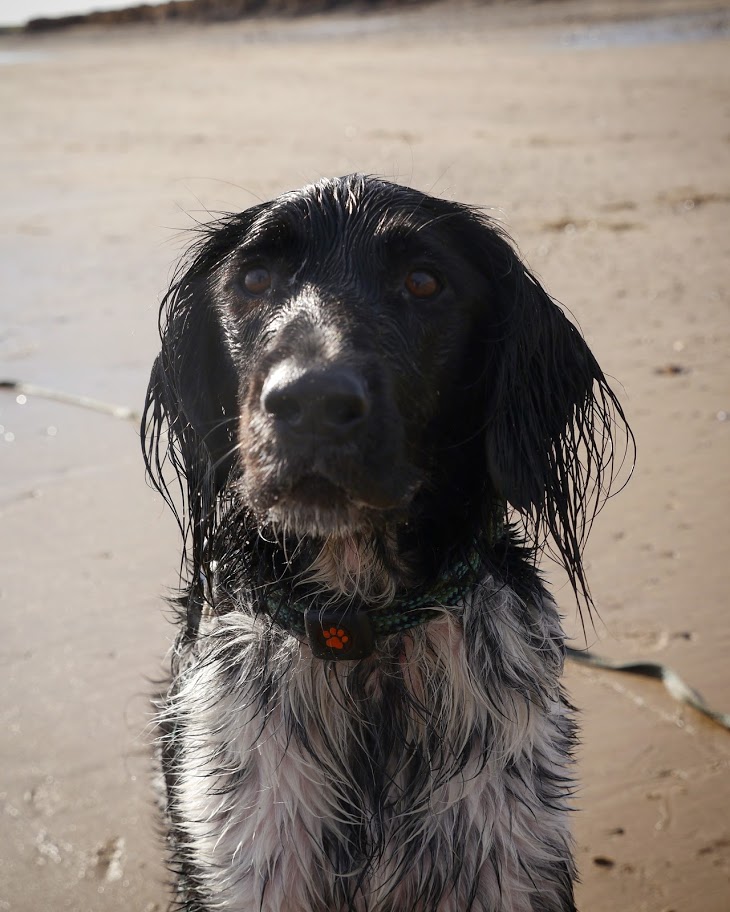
[
  {"x": 257, "y": 280},
  {"x": 422, "y": 284}
]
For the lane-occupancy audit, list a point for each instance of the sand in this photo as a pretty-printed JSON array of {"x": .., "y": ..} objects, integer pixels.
[{"x": 604, "y": 148}]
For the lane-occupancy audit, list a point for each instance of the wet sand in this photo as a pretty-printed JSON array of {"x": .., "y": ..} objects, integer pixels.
[{"x": 604, "y": 148}]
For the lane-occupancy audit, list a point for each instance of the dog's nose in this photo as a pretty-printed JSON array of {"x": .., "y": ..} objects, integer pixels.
[{"x": 330, "y": 401}]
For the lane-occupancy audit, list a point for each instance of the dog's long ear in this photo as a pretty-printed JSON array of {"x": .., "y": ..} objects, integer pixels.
[
  {"x": 189, "y": 422},
  {"x": 193, "y": 379},
  {"x": 553, "y": 423}
]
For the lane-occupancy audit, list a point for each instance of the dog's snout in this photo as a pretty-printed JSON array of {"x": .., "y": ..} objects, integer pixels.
[{"x": 329, "y": 401}]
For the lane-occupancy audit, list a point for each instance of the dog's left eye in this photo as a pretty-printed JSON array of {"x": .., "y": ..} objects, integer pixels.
[
  {"x": 257, "y": 280},
  {"x": 422, "y": 284}
]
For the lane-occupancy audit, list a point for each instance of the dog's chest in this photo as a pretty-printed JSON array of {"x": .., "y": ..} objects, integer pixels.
[{"x": 309, "y": 787}]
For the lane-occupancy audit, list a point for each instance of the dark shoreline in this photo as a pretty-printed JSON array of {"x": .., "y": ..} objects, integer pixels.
[
  {"x": 698, "y": 20},
  {"x": 210, "y": 11}
]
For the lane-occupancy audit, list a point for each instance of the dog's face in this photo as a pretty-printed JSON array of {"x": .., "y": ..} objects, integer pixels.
[
  {"x": 357, "y": 355},
  {"x": 350, "y": 325}
]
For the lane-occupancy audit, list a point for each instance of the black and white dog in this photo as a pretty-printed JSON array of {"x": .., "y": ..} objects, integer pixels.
[{"x": 376, "y": 417}]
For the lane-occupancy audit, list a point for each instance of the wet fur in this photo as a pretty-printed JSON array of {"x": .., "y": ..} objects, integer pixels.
[{"x": 435, "y": 775}]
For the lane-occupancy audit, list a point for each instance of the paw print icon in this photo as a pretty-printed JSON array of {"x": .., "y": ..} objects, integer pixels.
[
  {"x": 339, "y": 635},
  {"x": 336, "y": 637}
]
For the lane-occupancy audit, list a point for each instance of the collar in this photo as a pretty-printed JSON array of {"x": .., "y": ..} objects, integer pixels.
[{"x": 345, "y": 630}]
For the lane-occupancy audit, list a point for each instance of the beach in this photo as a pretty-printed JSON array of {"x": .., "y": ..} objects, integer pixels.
[{"x": 598, "y": 133}]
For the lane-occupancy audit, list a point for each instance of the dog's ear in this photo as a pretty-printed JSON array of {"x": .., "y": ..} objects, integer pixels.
[
  {"x": 551, "y": 419},
  {"x": 192, "y": 395},
  {"x": 188, "y": 427},
  {"x": 190, "y": 418},
  {"x": 195, "y": 375},
  {"x": 541, "y": 384}
]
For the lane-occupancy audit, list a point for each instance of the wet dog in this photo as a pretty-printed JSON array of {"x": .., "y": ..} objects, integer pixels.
[{"x": 376, "y": 418}]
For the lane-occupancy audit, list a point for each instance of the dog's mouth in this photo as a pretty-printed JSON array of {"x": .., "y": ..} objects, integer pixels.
[
  {"x": 313, "y": 504},
  {"x": 318, "y": 492}
]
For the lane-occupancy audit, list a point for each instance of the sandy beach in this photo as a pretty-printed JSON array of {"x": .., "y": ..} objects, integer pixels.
[{"x": 601, "y": 139}]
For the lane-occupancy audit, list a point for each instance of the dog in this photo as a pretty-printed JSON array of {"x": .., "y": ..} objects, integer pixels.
[{"x": 369, "y": 419}]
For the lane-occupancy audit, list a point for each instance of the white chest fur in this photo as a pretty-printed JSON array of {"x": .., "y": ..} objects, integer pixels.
[{"x": 434, "y": 778}]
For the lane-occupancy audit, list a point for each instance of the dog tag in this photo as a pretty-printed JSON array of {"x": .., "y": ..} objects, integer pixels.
[{"x": 339, "y": 635}]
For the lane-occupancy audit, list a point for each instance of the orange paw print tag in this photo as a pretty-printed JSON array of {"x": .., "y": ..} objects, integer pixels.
[
  {"x": 336, "y": 638},
  {"x": 339, "y": 635}
]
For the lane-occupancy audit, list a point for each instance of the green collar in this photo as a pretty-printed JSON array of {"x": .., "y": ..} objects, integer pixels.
[
  {"x": 347, "y": 631},
  {"x": 407, "y": 610}
]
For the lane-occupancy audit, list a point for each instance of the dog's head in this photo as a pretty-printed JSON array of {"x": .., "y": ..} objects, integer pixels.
[{"x": 357, "y": 355}]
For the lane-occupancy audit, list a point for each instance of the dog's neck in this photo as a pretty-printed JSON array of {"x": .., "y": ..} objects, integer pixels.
[
  {"x": 358, "y": 567},
  {"x": 394, "y": 571},
  {"x": 377, "y": 568}
]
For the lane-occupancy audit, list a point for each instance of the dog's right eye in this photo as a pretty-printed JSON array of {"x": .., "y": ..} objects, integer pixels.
[
  {"x": 422, "y": 284},
  {"x": 257, "y": 280}
]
